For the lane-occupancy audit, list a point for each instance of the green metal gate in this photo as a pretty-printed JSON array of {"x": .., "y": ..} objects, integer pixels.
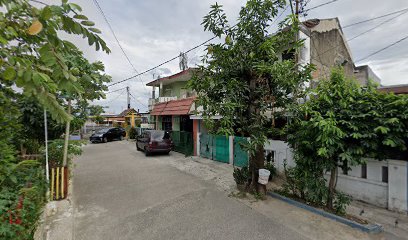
[
  {"x": 240, "y": 156},
  {"x": 214, "y": 147},
  {"x": 206, "y": 146},
  {"x": 221, "y": 153},
  {"x": 183, "y": 142}
]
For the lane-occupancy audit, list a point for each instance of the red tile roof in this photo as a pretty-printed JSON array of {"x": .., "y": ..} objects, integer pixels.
[
  {"x": 188, "y": 70},
  {"x": 397, "y": 89},
  {"x": 175, "y": 107}
]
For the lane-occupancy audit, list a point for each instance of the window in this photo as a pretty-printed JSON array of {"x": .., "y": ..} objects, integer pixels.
[
  {"x": 385, "y": 174},
  {"x": 364, "y": 171}
]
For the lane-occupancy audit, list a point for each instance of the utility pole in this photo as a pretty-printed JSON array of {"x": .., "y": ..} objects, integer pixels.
[
  {"x": 65, "y": 156},
  {"x": 297, "y": 9},
  {"x": 128, "y": 97}
]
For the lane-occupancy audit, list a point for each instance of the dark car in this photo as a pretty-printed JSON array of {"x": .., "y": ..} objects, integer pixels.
[
  {"x": 151, "y": 141},
  {"x": 108, "y": 134}
]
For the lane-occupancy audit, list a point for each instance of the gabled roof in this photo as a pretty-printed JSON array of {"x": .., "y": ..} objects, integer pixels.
[
  {"x": 126, "y": 112},
  {"x": 175, "y": 107},
  {"x": 181, "y": 76}
]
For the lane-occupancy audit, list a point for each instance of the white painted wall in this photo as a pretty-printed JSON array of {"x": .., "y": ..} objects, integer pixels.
[
  {"x": 282, "y": 153},
  {"x": 397, "y": 185},
  {"x": 363, "y": 189}
]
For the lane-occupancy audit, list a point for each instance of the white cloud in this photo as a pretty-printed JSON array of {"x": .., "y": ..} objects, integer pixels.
[{"x": 156, "y": 30}]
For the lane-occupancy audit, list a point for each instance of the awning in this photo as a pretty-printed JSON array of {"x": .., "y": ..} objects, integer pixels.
[{"x": 174, "y": 107}]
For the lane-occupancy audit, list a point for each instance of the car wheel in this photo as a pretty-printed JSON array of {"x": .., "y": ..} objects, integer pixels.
[
  {"x": 105, "y": 139},
  {"x": 121, "y": 138},
  {"x": 137, "y": 148},
  {"x": 146, "y": 152}
]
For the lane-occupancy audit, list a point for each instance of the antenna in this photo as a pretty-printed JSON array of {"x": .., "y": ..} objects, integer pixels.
[{"x": 183, "y": 61}]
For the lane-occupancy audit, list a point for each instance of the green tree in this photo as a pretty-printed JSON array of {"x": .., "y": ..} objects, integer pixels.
[
  {"x": 243, "y": 78},
  {"x": 33, "y": 54},
  {"x": 345, "y": 123}
]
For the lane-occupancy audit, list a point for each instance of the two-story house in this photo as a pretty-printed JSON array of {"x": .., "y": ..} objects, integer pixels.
[{"x": 170, "y": 110}]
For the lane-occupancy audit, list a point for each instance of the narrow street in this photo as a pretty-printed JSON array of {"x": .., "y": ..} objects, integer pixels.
[{"x": 121, "y": 194}]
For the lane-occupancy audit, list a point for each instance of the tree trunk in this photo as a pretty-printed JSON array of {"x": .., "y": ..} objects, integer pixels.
[
  {"x": 257, "y": 160},
  {"x": 332, "y": 187},
  {"x": 256, "y": 163},
  {"x": 65, "y": 157}
]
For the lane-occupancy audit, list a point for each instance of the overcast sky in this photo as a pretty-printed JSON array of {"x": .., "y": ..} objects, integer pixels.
[{"x": 152, "y": 31}]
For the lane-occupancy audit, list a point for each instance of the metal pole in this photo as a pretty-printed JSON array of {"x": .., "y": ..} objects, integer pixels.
[
  {"x": 128, "y": 98},
  {"x": 47, "y": 170}
]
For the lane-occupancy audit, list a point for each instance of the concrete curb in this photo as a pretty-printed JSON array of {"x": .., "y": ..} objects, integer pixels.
[{"x": 369, "y": 228}]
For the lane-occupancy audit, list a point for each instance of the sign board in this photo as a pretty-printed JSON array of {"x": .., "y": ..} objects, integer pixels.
[{"x": 147, "y": 125}]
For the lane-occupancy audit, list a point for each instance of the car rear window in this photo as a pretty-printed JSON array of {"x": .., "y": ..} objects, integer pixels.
[{"x": 157, "y": 135}]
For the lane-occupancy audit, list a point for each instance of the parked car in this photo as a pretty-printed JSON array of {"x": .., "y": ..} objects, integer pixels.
[
  {"x": 108, "y": 134},
  {"x": 151, "y": 141}
]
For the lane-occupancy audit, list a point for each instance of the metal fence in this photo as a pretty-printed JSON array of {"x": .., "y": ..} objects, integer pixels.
[
  {"x": 240, "y": 155},
  {"x": 183, "y": 142},
  {"x": 214, "y": 147}
]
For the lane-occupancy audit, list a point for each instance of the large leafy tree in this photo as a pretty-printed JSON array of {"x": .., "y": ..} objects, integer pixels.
[
  {"x": 340, "y": 125},
  {"x": 33, "y": 55},
  {"x": 244, "y": 79}
]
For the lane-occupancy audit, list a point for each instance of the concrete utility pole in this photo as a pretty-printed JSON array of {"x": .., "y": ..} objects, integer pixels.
[
  {"x": 128, "y": 97},
  {"x": 65, "y": 156}
]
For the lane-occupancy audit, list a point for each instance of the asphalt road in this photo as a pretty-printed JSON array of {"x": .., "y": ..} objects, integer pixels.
[{"x": 121, "y": 194}]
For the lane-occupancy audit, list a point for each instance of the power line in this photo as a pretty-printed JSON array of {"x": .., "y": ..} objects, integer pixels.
[
  {"x": 372, "y": 19},
  {"x": 120, "y": 94},
  {"x": 191, "y": 49},
  {"x": 318, "y": 6},
  {"x": 144, "y": 105},
  {"x": 117, "y": 40},
  {"x": 382, "y": 23},
  {"x": 382, "y": 49},
  {"x": 360, "y": 34},
  {"x": 116, "y": 90},
  {"x": 161, "y": 64}
]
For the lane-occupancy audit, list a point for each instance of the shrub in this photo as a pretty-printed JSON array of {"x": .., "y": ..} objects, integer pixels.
[
  {"x": 132, "y": 133},
  {"x": 271, "y": 168},
  {"x": 56, "y": 151},
  {"x": 241, "y": 175},
  {"x": 341, "y": 201}
]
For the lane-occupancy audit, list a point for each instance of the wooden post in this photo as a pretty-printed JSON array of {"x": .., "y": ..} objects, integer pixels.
[
  {"x": 62, "y": 182},
  {"x": 52, "y": 184},
  {"x": 57, "y": 186}
]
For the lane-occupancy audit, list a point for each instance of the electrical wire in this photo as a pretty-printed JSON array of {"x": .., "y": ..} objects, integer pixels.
[
  {"x": 375, "y": 18},
  {"x": 382, "y": 49},
  {"x": 115, "y": 90},
  {"x": 144, "y": 105},
  {"x": 382, "y": 23},
  {"x": 117, "y": 40},
  {"x": 318, "y": 6},
  {"x": 365, "y": 32},
  {"x": 161, "y": 64}
]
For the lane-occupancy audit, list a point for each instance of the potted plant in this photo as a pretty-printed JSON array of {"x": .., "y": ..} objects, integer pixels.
[{"x": 241, "y": 177}]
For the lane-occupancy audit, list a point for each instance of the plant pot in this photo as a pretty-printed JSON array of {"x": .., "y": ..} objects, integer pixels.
[{"x": 241, "y": 187}]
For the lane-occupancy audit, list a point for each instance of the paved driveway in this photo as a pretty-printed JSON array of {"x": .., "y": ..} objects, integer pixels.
[{"x": 121, "y": 194}]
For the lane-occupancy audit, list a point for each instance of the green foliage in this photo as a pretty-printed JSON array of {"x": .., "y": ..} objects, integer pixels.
[
  {"x": 241, "y": 175},
  {"x": 132, "y": 133},
  {"x": 242, "y": 78},
  {"x": 56, "y": 151},
  {"x": 271, "y": 168},
  {"x": 341, "y": 202},
  {"x": 33, "y": 54},
  {"x": 340, "y": 125}
]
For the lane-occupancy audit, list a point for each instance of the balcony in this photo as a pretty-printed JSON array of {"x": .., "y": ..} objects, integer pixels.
[{"x": 153, "y": 101}]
